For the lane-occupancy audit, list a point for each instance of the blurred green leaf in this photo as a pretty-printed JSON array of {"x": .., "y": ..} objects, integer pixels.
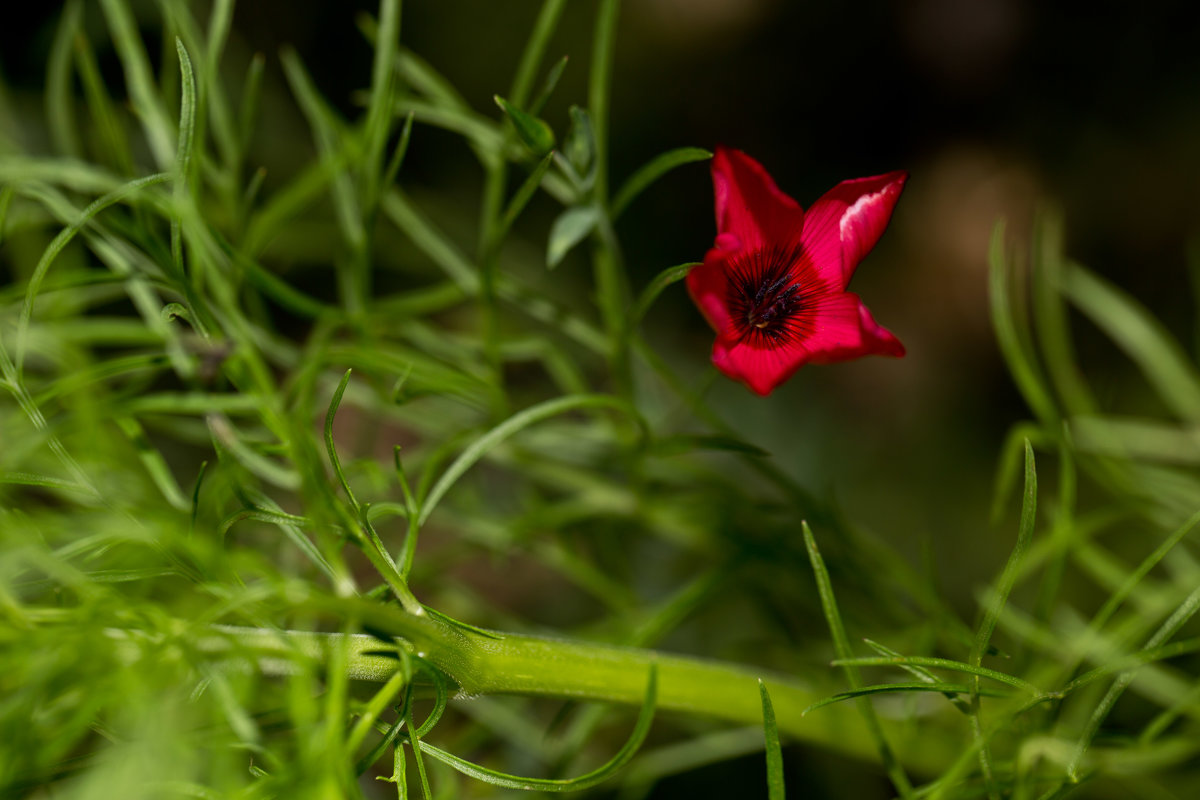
[
  {"x": 680, "y": 444},
  {"x": 1134, "y": 438},
  {"x": 552, "y": 78},
  {"x": 535, "y": 133},
  {"x": 580, "y": 145},
  {"x": 1141, "y": 336},
  {"x": 651, "y": 171},
  {"x": 571, "y": 228}
]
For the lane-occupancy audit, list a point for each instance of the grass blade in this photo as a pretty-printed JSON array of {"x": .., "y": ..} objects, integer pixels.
[
  {"x": 1182, "y": 614},
  {"x": 183, "y": 154},
  {"x": 774, "y": 752},
  {"x": 1008, "y": 578},
  {"x": 56, "y": 246},
  {"x": 504, "y": 430},
  {"x": 661, "y": 281},
  {"x": 139, "y": 77},
  {"x": 535, "y": 50},
  {"x": 651, "y": 171},
  {"x": 596, "y": 776},
  {"x": 942, "y": 663},
  {"x": 1009, "y": 333},
  {"x": 1141, "y": 336},
  {"x": 60, "y": 105},
  {"x": 949, "y": 689},
  {"x": 841, "y": 645}
]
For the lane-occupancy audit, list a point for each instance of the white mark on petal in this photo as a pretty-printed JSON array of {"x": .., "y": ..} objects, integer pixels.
[{"x": 851, "y": 213}]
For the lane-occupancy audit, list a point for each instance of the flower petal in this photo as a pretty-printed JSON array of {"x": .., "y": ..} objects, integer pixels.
[
  {"x": 845, "y": 329},
  {"x": 842, "y": 227},
  {"x": 761, "y": 370},
  {"x": 708, "y": 284},
  {"x": 749, "y": 204}
]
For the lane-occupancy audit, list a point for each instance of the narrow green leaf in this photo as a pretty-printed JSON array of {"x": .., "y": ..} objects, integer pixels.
[
  {"x": 421, "y": 76},
  {"x": 897, "y": 660},
  {"x": 44, "y": 481},
  {"x": 1136, "y": 438},
  {"x": 431, "y": 241},
  {"x": 604, "y": 46},
  {"x": 888, "y": 688},
  {"x": 571, "y": 227},
  {"x": 397, "y": 159},
  {"x": 139, "y": 78},
  {"x": 535, "y": 133},
  {"x": 6, "y": 196},
  {"x": 60, "y": 241},
  {"x": 522, "y": 197},
  {"x": 376, "y": 752},
  {"x": 154, "y": 463},
  {"x": 689, "y": 443},
  {"x": 1012, "y": 569},
  {"x": 371, "y": 711},
  {"x": 251, "y": 94},
  {"x": 504, "y": 430},
  {"x": 272, "y": 517},
  {"x": 1141, "y": 336},
  {"x": 774, "y": 752},
  {"x": 1126, "y": 588},
  {"x": 1007, "y": 324},
  {"x": 482, "y": 133},
  {"x": 535, "y": 50},
  {"x": 552, "y": 78},
  {"x": 919, "y": 672},
  {"x": 661, "y": 281},
  {"x": 1008, "y": 578},
  {"x": 60, "y": 103},
  {"x": 332, "y": 146},
  {"x": 330, "y": 449},
  {"x": 226, "y": 437},
  {"x": 103, "y": 111},
  {"x": 220, "y": 21},
  {"x": 277, "y": 288},
  {"x": 651, "y": 171},
  {"x": 196, "y": 497},
  {"x": 1050, "y": 314},
  {"x": 183, "y": 152},
  {"x": 1179, "y": 617},
  {"x": 841, "y": 646},
  {"x": 596, "y": 776},
  {"x": 376, "y": 124},
  {"x": 414, "y": 739}
]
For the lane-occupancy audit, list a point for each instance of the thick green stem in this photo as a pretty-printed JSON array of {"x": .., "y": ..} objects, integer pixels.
[{"x": 484, "y": 662}]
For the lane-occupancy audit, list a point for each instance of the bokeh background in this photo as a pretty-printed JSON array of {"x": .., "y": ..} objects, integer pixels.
[{"x": 995, "y": 107}]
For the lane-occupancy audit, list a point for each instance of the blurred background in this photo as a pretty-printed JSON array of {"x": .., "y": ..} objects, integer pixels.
[{"x": 995, "y": 107}]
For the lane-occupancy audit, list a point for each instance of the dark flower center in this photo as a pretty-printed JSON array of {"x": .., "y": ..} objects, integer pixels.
[{"x": 770, "y": 297}]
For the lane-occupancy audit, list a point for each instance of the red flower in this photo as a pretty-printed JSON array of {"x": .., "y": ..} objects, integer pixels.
[{"x": 774, "y": 285}]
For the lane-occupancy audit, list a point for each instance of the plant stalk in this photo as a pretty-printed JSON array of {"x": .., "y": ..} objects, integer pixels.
[{"x": 486, "y": 662}]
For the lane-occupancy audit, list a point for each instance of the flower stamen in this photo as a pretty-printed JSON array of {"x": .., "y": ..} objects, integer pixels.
[{"x": 770, "y": 297}]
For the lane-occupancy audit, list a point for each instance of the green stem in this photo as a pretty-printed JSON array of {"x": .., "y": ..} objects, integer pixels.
[{"x": 486, "y": 662}]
